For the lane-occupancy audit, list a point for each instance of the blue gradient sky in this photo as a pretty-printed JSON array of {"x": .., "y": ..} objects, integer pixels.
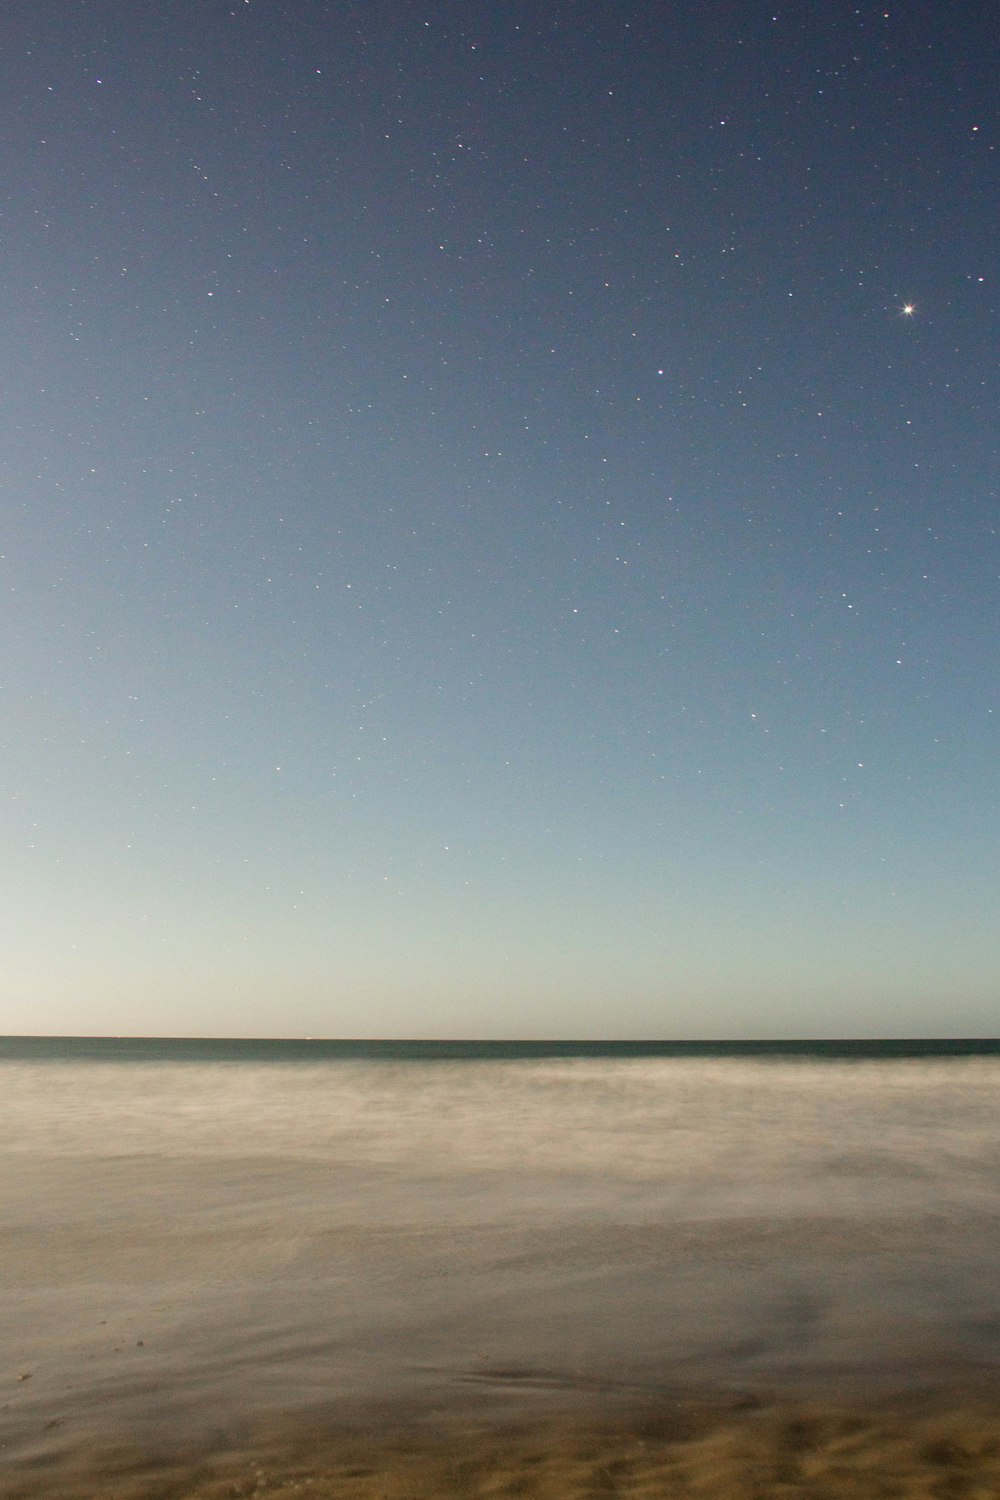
[{"x": 485, "y": 552}]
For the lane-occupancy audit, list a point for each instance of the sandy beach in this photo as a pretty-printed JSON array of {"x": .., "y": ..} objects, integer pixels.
[{"x": 945, "y": 1444}]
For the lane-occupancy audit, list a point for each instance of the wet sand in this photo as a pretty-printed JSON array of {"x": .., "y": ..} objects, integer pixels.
[{"x": 722, "y": 1447}]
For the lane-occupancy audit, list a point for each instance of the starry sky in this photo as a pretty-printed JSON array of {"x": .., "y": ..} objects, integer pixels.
[{"x": 499, "y": 518}]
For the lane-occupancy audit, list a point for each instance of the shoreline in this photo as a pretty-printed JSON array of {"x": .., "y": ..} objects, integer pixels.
[
  {"x": 548, "y": 1442},
  {"x": 723, "y": 1280}
]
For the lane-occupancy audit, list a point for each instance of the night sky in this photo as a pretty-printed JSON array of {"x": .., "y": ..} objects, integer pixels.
[{"x": 500, "y": 518}]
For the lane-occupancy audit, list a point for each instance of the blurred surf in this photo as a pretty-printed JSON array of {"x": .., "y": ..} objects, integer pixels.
[{"x": 198, "y": 1239}]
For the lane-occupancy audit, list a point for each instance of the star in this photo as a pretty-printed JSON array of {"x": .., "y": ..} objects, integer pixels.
[{"x": 908, "y": 309}]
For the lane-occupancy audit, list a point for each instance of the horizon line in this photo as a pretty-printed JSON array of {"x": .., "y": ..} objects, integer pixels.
[{"x": 504, "y": 1041}]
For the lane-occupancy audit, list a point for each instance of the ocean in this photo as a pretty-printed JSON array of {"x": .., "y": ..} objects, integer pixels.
[{"x": 203, "y": 1240}]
